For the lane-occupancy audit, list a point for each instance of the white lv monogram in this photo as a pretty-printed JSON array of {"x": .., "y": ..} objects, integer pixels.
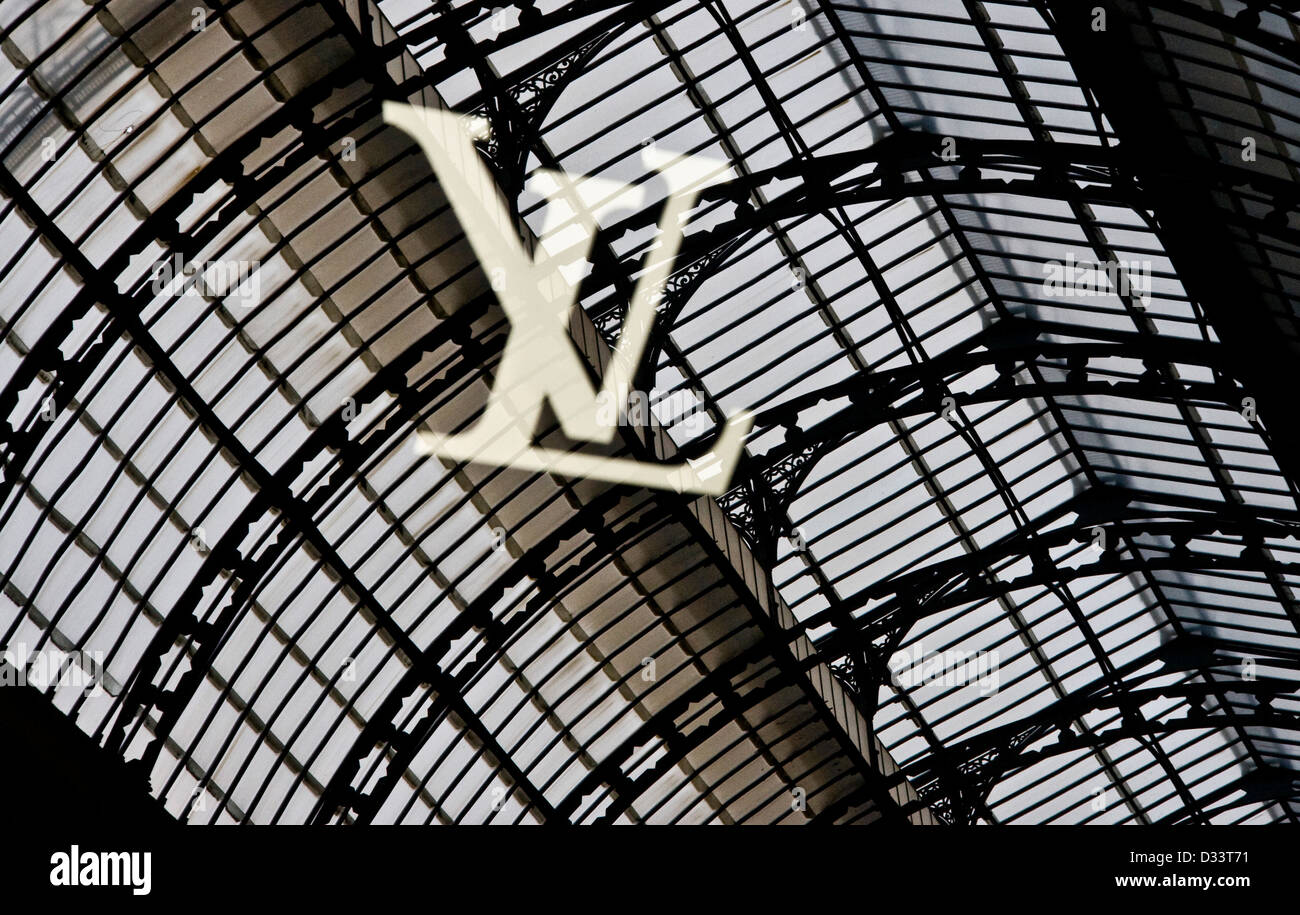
[{"x": 540, "y": 361}]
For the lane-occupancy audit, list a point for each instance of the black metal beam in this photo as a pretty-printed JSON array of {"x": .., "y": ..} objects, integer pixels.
[{"x": 1116, "y": 65}]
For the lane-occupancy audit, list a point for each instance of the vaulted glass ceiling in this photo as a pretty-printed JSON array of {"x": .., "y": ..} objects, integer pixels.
[{"x": 999, "y": 549}]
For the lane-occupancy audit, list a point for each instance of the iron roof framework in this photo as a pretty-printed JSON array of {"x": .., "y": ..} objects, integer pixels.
[{"x": 301, "y": 621}]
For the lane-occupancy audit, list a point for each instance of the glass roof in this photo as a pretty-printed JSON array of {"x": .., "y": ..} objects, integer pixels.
[{"x": 1013, "y": 537}]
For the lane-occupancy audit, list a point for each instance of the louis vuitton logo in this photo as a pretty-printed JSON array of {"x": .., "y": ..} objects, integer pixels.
[{"x": 540, "y": 362}]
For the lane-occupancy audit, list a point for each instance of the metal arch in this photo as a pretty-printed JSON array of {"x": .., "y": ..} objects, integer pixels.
[
  {"x": 296, "y": 516},
  {"x": 515, "y": 104},
  {"x": 1051, "y": 171},
  {"x": 1262, "y": 784},
  {"x": 895, "y": 611},
  {"x": 956, "y": 779},
  {"x": 877, "y": 393},
  {"x": 981, "y": 762},
  {"x": 1109, "y": 508},
  {"x": 1009, "y": 344},
  {"x": 767, "y": 484},
  {"x": 981, "y": 775},
  {"x": 894, "y": 157},
  {"x": 810, "y": 445}
]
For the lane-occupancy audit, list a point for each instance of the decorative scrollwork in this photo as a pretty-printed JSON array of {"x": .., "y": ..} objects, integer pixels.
[
  {"x": 677, "y": 290},
  {"x": 533, "y": 93}
]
